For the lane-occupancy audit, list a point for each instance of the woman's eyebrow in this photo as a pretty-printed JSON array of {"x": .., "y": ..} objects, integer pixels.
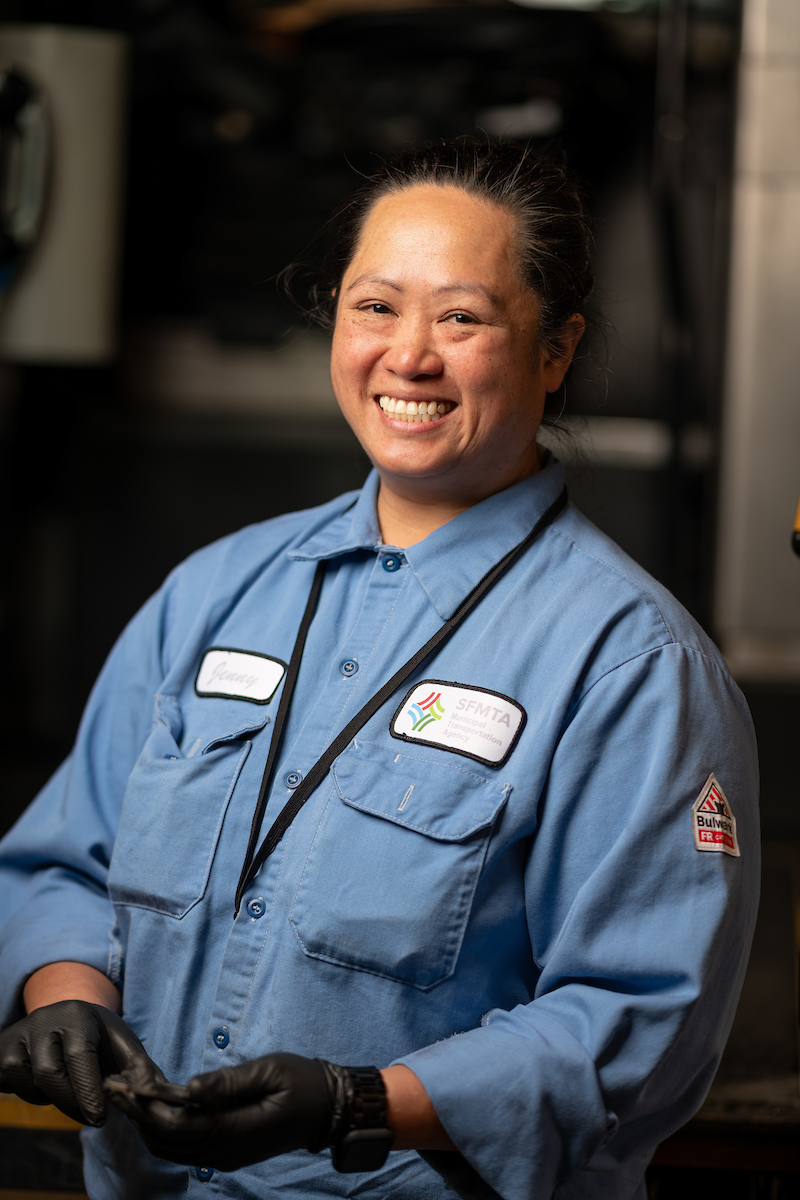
[
  {"x": 448, "y": 287},
  {"x": 373, "y": 279},
  {"x": 470, "y": 287}
]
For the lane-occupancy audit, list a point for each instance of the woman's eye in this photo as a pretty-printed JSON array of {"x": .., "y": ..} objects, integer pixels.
[
  {"x": 376, "y": 307},
  {"x": 460, "y": 318}
]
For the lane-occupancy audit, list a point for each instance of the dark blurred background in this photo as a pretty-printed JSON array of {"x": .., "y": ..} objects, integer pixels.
[{"x": 245, "y": 122}]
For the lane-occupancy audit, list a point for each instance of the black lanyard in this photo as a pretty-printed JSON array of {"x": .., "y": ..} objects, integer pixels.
[{"x": 254, "y": 860}]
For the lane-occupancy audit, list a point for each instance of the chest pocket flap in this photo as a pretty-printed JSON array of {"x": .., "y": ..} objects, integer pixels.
[
  {"x": 428, "y": 795},
  {"x": 390, "y": 878}
]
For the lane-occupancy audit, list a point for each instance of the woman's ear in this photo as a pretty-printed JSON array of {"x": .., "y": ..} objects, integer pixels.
[{"x": 558, "y": 356}]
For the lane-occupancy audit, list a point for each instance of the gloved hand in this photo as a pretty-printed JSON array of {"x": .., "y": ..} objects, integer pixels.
[
  {"x": 60, "y": 1053},
  {"x": 246, "y": 1113}
]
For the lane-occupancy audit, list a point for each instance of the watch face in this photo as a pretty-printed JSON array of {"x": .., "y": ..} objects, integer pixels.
[{"x": 362, "y": 1150}]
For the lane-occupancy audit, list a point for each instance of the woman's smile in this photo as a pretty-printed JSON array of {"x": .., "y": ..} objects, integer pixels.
[{"x": 410, "y": 412}]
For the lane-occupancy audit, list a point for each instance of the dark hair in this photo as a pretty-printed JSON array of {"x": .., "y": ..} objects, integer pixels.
[{"x": 543, "y": 196}]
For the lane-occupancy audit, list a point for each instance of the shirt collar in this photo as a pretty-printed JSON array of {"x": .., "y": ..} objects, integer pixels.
[
  {"x": 354, "y": 528},
  {"x": 453, "y": 559}
]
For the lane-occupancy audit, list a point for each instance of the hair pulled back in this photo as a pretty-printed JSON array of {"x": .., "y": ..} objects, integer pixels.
[{"x": 543, "y": 196}]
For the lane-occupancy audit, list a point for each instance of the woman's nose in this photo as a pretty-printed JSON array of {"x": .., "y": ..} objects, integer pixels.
[{"x": 412, "y": 353}]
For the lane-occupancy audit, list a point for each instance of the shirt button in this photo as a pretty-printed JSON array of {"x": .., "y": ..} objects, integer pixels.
[
  {"x": 348, "y": 667},
  {"x": 292, "y": 778},
  {"x": 391, "y": 563},
  {"x": 221, "y": 1037},
  {"x": 256, "y": 908},
  {"x": 204, "y": 1173}
]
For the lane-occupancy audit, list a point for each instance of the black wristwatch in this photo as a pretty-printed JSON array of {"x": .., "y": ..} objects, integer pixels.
[{"x": 364, "y": 1138}]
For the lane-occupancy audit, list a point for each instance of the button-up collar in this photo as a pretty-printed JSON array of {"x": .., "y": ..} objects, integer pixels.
[{"x": 490, "y": 528}]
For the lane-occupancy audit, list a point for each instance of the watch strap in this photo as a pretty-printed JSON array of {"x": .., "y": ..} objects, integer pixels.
[{"x": 360, "y": 1138}]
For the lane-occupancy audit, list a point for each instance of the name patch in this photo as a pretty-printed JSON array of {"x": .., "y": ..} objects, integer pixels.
[
  {"x": 713, "y": 822},
  {"x": 472, "y": 721},
  {"x": 239, "y": 675}
]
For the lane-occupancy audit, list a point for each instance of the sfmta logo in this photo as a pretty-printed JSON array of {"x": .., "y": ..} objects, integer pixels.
[{"x": 425, "y": 712}]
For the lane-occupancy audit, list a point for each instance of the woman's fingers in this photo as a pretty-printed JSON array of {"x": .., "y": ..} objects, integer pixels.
[
  {"x": 176, "y": 1133},
  {"x": 59, "y": 1053},
  {"x": 67, "y": 1061},
  {"x": 234, "y": 1087},
  {"x": 49, "y": 1061},
  {"x": 15, "y": 1068}
]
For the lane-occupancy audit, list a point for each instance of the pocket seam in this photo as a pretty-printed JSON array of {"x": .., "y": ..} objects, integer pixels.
[
  {"x": 461, "y": 836},
  {"x": 435, "y": 762}
]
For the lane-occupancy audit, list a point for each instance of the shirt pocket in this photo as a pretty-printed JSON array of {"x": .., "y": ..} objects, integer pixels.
[
  {"x": 389, "y": 881},
  {"x": 173, "y": 811}
]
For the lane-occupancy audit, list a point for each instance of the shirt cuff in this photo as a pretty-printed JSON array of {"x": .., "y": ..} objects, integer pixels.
[
  {"x": 520, "y": 1099},
  {"x": 86, "y": 937}
]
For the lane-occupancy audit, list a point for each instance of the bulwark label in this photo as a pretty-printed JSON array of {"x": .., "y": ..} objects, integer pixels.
[
  {"x": 239, "y": 675},
  {"x": 471, "y": 721},
  {"x": 713, "y": 821}
]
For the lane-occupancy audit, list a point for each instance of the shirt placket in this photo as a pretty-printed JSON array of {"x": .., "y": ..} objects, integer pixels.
[{"x": 351, "y": 669}]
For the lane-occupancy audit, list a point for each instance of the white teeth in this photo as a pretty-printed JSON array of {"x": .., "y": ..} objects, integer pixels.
[{"x": 411, "y": 410}]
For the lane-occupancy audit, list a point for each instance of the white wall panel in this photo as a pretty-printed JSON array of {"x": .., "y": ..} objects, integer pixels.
[
  {"x": 62, "y": 306},
  {"x": 758, "y": 577}
]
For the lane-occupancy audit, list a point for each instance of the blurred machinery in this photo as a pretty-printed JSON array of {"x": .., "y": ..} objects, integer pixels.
[{"x": 25, "y": 152}]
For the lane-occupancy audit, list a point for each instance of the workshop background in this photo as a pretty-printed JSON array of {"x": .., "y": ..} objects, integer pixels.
[{"x": 162, "y": 160}]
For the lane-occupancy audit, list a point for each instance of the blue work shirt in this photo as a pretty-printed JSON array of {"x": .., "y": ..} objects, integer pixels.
[{"x": 527, "y": 921}]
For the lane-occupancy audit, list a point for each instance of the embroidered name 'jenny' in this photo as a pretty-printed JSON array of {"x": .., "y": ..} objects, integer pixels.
[{"x": 220, "y": 672}]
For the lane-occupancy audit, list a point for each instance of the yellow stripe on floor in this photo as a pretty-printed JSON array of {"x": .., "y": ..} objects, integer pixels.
[{"x": 16, "y": 1114}]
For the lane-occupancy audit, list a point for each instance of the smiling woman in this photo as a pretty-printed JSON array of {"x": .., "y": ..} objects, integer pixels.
[
  {"x": 486, "y": 745},
  {"x": 455, "y": 282}
]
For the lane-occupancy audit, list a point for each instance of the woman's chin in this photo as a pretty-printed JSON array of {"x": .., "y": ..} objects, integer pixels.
[{"x": 413, "y": 464}]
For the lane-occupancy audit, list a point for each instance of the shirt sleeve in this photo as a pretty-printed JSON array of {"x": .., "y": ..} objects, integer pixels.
[
  {"x": 54, "y": 861},
  {"x": 640, "y": 941}
]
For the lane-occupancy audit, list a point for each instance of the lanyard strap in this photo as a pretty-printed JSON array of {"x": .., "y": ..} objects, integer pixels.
[{"x": 254, "y": 861}]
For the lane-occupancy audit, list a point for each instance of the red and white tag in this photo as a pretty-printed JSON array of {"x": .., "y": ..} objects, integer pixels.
[{"x": 713, "y": 821}]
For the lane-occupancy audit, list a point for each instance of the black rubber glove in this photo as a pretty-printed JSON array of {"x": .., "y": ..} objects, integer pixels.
[
  {"x": 60, "y": 1053},
  {"x": 244, "y": 1114}
]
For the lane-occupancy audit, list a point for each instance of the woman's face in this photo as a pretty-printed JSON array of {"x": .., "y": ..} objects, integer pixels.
[{"x": 433, "y": 313}]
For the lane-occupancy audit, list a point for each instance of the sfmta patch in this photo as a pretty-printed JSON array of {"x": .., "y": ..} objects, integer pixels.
[
  {"x": 713, "y": 822},
  {"x": 471, "y": 721}
]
